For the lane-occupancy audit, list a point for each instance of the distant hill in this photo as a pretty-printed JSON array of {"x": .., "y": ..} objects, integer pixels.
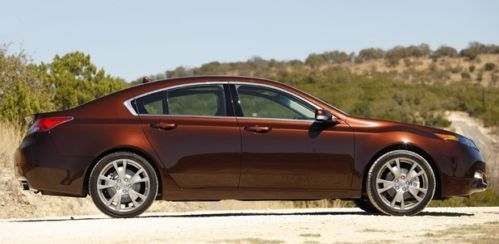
[
  {"x": 412, "y": 84},
  {"x": 478, "y": 63}
]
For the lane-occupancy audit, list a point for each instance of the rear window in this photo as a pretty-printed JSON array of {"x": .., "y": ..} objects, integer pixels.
[{"x": 204, "y": 100}]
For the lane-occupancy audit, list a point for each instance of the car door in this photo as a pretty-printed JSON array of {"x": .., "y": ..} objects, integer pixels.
[
  {"x": 284, "y": 147},
  {"x": 194, "y": 133}
]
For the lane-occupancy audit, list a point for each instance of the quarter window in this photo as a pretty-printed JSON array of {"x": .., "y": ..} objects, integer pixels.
[
  {"x": 265, "y": 102},
  {"x": 152, "y": 104},
  {"x": 206, "y": 100}
]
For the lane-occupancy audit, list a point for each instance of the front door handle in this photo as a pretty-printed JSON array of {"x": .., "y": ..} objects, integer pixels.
[
  {"x": 164, "y": 126},
  {"x": 257, "y": 129}
]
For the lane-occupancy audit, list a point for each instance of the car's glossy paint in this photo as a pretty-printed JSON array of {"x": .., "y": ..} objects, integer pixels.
[{"x": 213, "y": 158}]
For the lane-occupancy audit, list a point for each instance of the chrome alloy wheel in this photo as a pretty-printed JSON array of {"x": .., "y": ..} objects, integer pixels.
[
  {"x": 123, "y": 185},
  {"x": 402, "y": 183}
]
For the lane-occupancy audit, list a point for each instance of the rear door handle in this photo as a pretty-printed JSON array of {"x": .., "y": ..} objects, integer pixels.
[
  {"x": 257, "y": 129},
  {"x": 164, "y": 126}
]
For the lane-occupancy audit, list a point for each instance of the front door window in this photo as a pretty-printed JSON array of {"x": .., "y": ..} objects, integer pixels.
[{"x": 262, "y": 102}]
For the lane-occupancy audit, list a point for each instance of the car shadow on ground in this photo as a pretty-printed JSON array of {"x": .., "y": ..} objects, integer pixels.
[{"x": 249, "y": 214}]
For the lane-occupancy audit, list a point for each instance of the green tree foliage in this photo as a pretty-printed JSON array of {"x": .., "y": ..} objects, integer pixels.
[
  {"x": 77, "y": 80},
  {"x": 370, "y": 54},
  {"x": 397, "y": 53},
  {"x": 338, "y": 57},
  {"x": 445, "y": 51},
  {"x": 66, "y": 82},
  {"x": 21, "y": 91},
  {"x": 476, "y": 48}
]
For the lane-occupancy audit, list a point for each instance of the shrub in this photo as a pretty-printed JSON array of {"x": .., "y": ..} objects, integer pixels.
[
  {"x": 479, "y": 76},
  {"x": 456, "y": 69},
  {"x": 395, "y": 54},
  {"x": 489, "y": 66},
  {"x": 315, "y": 60},
  {"x": 370, "y": 54},
  {"x": 338, "y": 57},
  {"x": 476, "y": 48},
  {"x": 445, "y": 51}
]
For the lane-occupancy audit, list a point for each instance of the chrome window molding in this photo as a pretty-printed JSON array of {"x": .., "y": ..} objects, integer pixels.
[
  {"x": 186, "y": 116},
  {"x": 128, "y": 102},
  {"x": 128, "y": 105},
  {"x": 274, "y": 119}
]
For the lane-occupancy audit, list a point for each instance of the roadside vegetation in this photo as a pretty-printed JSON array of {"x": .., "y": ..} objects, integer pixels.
[{"x": 413, "y": 84}]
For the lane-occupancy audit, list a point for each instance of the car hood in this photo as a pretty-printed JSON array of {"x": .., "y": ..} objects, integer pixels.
[{"x": 357, "y": 122}]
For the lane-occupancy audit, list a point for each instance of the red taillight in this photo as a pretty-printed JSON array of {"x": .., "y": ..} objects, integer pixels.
[{"x": 45, "y": 124}]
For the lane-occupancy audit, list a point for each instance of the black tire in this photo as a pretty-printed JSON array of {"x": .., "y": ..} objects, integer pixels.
[
  {"x": 365, "y": 205},
  {"x": 380, "y": 203},
  {"x": 145, "y": 203}
]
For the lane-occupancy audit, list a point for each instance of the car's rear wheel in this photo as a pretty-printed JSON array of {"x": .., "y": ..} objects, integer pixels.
[
  {"x": 123, "y": 184},
  {"x": 400, "y": 182}
]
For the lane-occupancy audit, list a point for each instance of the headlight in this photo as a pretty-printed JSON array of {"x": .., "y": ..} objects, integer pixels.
[{"x": 464, "y": 140}]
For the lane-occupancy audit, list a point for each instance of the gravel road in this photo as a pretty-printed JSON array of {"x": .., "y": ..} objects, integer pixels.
[
  {"x": 262, "y": 226},
  {"x": 486, "y": 140}
]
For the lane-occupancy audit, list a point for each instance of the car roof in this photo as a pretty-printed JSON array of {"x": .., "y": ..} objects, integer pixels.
[{"x": 193, "y": 79}]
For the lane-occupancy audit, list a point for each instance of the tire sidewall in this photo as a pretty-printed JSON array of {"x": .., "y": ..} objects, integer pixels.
[
  {"x": 366, "y": 206},
  {"x": 103, "y": 163},
  {"x": 375, "y": 199}
]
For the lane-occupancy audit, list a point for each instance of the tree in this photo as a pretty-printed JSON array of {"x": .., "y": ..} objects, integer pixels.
[
  {"x": 331, "y": 57},
  {"x": 315, "y": 60},
  {"x": 445, "y": 51},
  {"x": 370, "y": 54},
  {"x": 77, "y": 80},
  {"x": 473, "y": 50},
  {"x": 336, "y": 57},
  {"x": 22, "y": 91}
]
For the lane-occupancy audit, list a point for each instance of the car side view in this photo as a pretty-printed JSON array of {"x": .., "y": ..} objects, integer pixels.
[{"x": 222, "y": 137}]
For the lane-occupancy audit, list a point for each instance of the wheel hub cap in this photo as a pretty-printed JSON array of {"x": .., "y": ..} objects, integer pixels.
[
  {"x": 123, "y": 185},
  {"x": 402, "y": 183}
]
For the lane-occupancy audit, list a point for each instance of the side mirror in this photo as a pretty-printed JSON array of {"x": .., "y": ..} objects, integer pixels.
[{"x": 325, "y": 116}]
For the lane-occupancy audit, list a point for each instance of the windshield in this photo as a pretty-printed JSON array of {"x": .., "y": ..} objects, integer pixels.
[{"x": 321, "y": 100}]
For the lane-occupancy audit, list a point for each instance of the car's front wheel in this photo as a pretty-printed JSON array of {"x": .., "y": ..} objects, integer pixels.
[
  {"x": 123, "y": 184},
  {"x": 400, "y": 182}
]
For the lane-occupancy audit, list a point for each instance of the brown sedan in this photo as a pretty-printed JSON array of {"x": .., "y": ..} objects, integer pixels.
[{"x": 219, "y": 137}]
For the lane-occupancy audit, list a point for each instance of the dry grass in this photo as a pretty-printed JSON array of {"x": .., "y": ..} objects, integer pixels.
[
  {"x": 450, "y": 68},
  {"x": 478, "y": 233}
]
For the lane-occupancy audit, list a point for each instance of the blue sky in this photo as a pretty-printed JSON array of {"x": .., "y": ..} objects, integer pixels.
[{"x": 135, "y": 38}]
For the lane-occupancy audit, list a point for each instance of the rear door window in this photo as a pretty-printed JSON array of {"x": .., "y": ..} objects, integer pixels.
[{"x": 200, "y": 100}]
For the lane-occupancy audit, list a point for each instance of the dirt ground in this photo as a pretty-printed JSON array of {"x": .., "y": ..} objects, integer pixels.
[{"x": 340, "y": 225}]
